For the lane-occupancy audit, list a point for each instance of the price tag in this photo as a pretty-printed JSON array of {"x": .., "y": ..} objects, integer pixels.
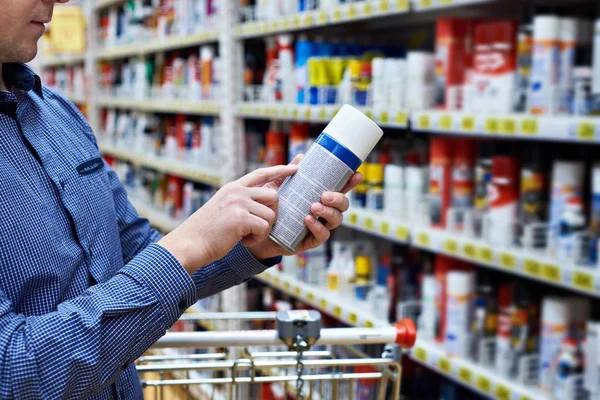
[
  {"x": 465, "y": 375},
  {"x": 369, "y": 223},
  {"x": 369, "y": 114},
  {"x": 467, "y": 124},
  {"x": 352, "y": 13},
  {"x": 450, "y": 246},
  {"x": 423, "y": 239},
  {"x": 337, "y": 312},
  {"x": 308, "y": 21},
  {"x": 401, "y": 118},
  {"x": 307, "y": 114},
  {"x": 337, "y": 14},
  {"x": 583, "y": 280},
  {"x": 384, "y": 117},
  {"x": 322, "y": 113},
  {"x": 352, "y": 318},
  {"x": 368, "y": 9},
  {"x": 529, "y": 126},
  {"x": 444, "y": 365},
  {"x": 323, "y": 304},
  {"x": 276, "y": 281},
  {"x": 425, "y": 3},
  {"x": 402, "y": 5},
  {"x": 485, "y": 254},
  {"x": 285, "y": 113},
  {"x": 297, "y": 291},
  {"x": 526, "y": 398},
  {"x": 369, "y": 324},
  {"x": 384, "y": 228},
  {"x": 421, "y": 354},
  {"x": 384, "y": 6},
  {"x": 445, "y": 122},
  {"x": 424, "y": 122},
  {"x": 353, "y": 219},
  {"x": 483, "y": 384},
  {"x": 531, "y": 267},
  {"x": 286, "y": 23},
  {"x": 491, "y": 125},
  {"x": 586, "y": 130},
  {"x": 295, "y": 113},
  {"x": 469, "y": 250},
  {"x": 551, "y": 272},
  {"x": 402, "y": 233},
  {"x": 322, "y": 18},
  {"x": 445, "y": 2},
  {"x": 275, "y": 25},
  {"x": 311, "y": 296},
  {"x": 502, "y": 392},
  {"x": 286, "y": 286},
  {"x": 508, "y": 261}
]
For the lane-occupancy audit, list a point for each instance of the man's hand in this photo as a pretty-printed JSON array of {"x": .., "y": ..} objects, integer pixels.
[
  {"x": 240, "y": 210},
  {"x": 329, "y": 210}
]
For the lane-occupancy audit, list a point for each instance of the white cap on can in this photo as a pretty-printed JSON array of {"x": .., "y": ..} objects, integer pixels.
[
  {"x": 394, "y": 174},
  {"x": 568, "y": 173},
  {"x": 207, "y": 53},
  {"x": 546, "y": 27},
  {"x": 355, "y": 131},
  {"x": 460, "y": 283},
  {"x": 568, "y": 30},
  {"x": 556, "y": 311}
]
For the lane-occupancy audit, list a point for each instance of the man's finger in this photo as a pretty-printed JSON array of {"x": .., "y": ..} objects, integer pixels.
[
  {"x": 353, "y": 182},
  {"x": 263, "y": 176}
]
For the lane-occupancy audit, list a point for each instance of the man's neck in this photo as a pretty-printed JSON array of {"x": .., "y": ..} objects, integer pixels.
[{"x": 2, "y": 85}]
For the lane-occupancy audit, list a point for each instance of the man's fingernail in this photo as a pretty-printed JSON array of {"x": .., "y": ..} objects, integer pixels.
[{"x": 318, "y": 207}]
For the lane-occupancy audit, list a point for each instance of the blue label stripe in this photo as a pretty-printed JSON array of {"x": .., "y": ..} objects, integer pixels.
[{"x": 338, "y": 150}]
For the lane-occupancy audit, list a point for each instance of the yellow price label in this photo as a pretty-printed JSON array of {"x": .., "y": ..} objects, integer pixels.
[
  {"x": 308, "y": 21},
  {"x": 352, "y": 318},
  {"x": 337, "y": 14},
  {"x": 469, "y": 250},
  {"x": 284, "y": 113},
  {"x": 531, "y": 267},
  {"x": 307, "y": 114},
  {"x": 402, "y": 233},
  {"x": 529, "y": 126},
  {"x": 352, "y": 13},
  {"x": 485, "y": 254},
  {"x": 367, "y": 9},
  {"x": 369, "y": 223},
  {"x": 322, "y": 17},
  {"x": 445, "y": 2},
  {"x": 483, "y": 384},
  {"x": 401, "y": 118},
  {"x": 369, "y": 114},
  {"x": 586, "y": 131},
  {"x": 369, "y": 324},
  {"x": 274, "y": 25},
  {"x": 526, "y": 398},
  {"x": 295, "y": 113},
  {"x": 276, "y": 281},
  {"x": 502, "y": 392},
  {"x": 508, "y": 126},
  {"x": 384, "y": 6},
  {"x": 337, "y": 312},
  {"x": 402, "y": 5},
  {"x": 286, "y": 286},
  {"x": 421, "y": 354},
  {"x": 384, "y": 228},
  {"x": 423, "y": 239},
  {"x": 424, "y": 122},
  {"x": 467, "y": 124},
  {"x": 491, "y": 125},
  {"x": 297, "y": 291},
  {"x": 426, "y": 3},
  {"x": 465, "y": 375},
  {"x": 286, "y": 23},
  {"x": 444, "y": 365},
  {"x": 353, "y": 219},
  {"x": 445, "y": 122},
  {"x": 583, "y": 280},
  {"x": 551, "y": 272},
  {"x": 508, "y": 261},
  {"x": 323, "y": 304},
  {"x": 384, "y": 117},
  {"x": 296, "y": 21},
  {"x": 450, "y": 246},
  {"x": 322, "y": 113},
  {"x": 310, "y": 296}
]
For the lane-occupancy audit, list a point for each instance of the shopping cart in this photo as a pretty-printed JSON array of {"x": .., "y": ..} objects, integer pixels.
[{"x": 298, "y": 360}]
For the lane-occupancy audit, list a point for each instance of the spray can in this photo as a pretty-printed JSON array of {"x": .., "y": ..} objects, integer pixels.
[
  {"x": 463, "y": 184},
  {"x": 298, "y": 140},
  {"x": 427, "y": 319},
  {"x": 572, "y": 221},
  {"x": 416, "y": 187},
  {"x": 543, "y": 97},
  {"x": 375, "y": 193},
  {"x": 362, "y": 281},
  {"x": 207, "y": 55},
  {"x": 555, "y": 328},
  {"x": 275, "y": 146},
  {"x": 596, "y": 69},
  {"x": 460, "y": 289},
  {"x": 483, "y": 177},
  {"x": 524, "y": 61},
  {"x": 394, "y": 203},
  {"x": 440, "y": 180},
  {"x": 568, "y": 43},
  {"x": 533, "y": 189},
  {"x": 328, "y": 165},
  {"x": 595, "y": 214},
  {"x": 503, "y": 195},
  {"x": 524, "y": 327},
  {"x": 592, "y": 361}
]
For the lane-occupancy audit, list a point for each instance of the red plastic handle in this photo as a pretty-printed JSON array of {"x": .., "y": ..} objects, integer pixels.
[{"x": 406, "y": 333}]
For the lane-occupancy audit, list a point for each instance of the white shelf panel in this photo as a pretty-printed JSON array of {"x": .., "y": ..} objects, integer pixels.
[
  {"x": 321, "y": 114},
  {"x": 156, "y": 216},
  {"x": 529, "y": 264},
  {"x": 155, "y": 46},
  {"x": 185, "y": 170},
  {"x": 165, "y": 106},
  {"x": 517, "y": 126},
  {"x": 483, "y": 380},
  {"x": 62, "y": 60},
  {"x": 364, "y": 10}
]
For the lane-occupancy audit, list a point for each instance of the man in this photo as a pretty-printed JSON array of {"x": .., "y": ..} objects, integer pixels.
[{"x": 83, "y": 289}]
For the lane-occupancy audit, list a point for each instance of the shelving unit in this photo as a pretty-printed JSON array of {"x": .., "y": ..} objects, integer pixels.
[
  {"x": 162, "y": 106},
  {"x": 65, "y": 59}
]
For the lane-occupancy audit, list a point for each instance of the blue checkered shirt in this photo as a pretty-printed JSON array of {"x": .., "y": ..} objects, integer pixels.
[{"x": 83, "y": 289}]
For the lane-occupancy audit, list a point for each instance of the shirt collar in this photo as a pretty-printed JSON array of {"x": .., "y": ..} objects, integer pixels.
[{"x": 20, "y": 76}]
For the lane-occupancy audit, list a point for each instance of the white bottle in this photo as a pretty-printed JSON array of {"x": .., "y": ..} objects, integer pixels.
[
  {"x": 287, "y": 74},
  {"x": 568, "y": 43},
  {"x": 543, "y": 92},
  {"x": 420, "y": 87},
  {"x": 572, "y": 222},
  {"x": 427, "y": 319},
  {"x": 555, "y": 327},
  {"x": 414, "y": 192},
  {"x": 596, "y": 67},
  {"x": 379, "y": 86},
  {"x": 393, "y": 195},
  {"x": 460, "y": 288}
]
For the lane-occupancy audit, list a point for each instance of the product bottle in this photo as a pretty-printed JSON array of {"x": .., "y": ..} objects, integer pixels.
[
  {"x": 275, "y": 141},
  {"x": 394, "y": 203},
  {"x": 375, "y": 193},
  {"x": 524, "y": 331},
  {"x": 596, "y": 69},
  {"x": 460, "y": 290},
  {"x": 543, "y": 95},
  {"x": 304, "y": 50},
  {"x": 572, "y": 222},
  {"x": 481, "y": 75},
  {"x": 440, "y": 174},
  {"x": 595, "y": 214},
  {"x": 380, "y": 296},
  {"x": 502, "y": 67},
  {"x": 524, "y": 61},
  {"x": 463, "y": 184},
  {"x": 328, "y": 165},
  {"x": 555, "y": 328},
  {"x": 503, "y": 195},
  {"x": 286, "y": 68},
  {"x": 485, "y": 321},
  {"x": 568, "y": 43},
  {"x": 299, "y": 133},
  {"x": 362, "y": 280},
  {"x": 567, "y": 363},
  {"x": 483, "y": 177},
  {"x": 207, "y": 55}
]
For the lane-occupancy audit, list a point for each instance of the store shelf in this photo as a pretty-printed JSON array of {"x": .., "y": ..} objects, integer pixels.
[
  {"x": 364, "y": 10},
  {"x": 100, "y": 4},
  {"x": 529, "y": 264},
  {"x": 62, "y": 60},
  {"x": 164, "y": 106},
  {"x": 157, "y": 45},
  {"x": 157, "y": 217},
  {"x": 516, "y": 126},
  {"x": 321, "y": 114},
  {"x": 76, "y": 99},
  {"x": 185, "y": 170},
  {"x": 427, "y": 352}
]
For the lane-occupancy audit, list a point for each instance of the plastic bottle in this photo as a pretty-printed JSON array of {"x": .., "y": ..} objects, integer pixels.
[
  {"x": 328, "y": 165},
  {"x": 207, "y": 55},
  {"x": 440, "y": 180},
  {"x": 543, "y": 95}
]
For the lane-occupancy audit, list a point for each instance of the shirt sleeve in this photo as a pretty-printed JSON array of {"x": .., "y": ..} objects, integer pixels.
[{"x": 89, "y": 341}]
